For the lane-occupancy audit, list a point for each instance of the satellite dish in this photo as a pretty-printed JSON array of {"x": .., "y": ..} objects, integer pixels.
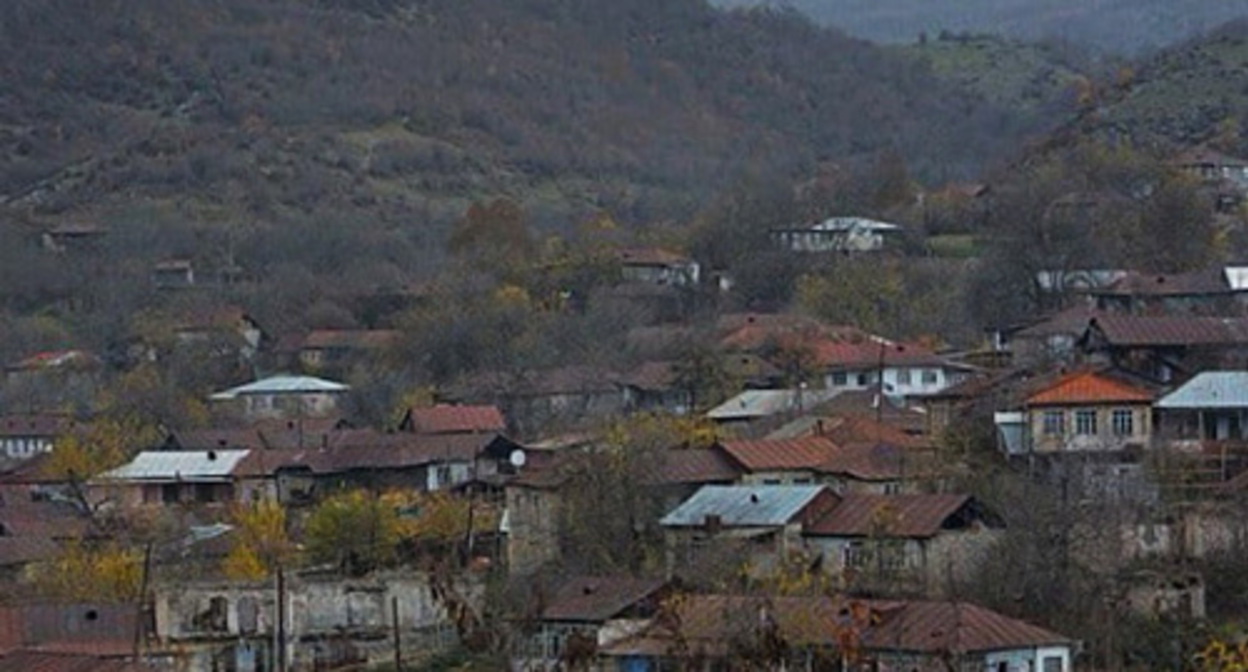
[{"x": 517, "y": 458}]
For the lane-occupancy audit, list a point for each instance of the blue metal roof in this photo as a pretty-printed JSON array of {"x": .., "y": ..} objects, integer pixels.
[
  {"x": 1211, "y": 389},
  {"x": 743, "y": 505}
]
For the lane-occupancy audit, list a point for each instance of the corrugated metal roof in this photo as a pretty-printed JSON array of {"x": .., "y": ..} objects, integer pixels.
[
  {"x": 170, "y": 465},
  {"x": 744, "y": 505},
  {"x": 450, "y": 419},
  {"x": 762, "y": 403},
  {"x": 692, "y": 465},
  {"x": 780, "y": 454},
  {"x": 1170, "y": 330},
  {"x": 598, "y": 598},
  {"x": 854, "y": 224},
  {"x": 909, "y": 516},
  {"x": 282, "y": 385},
  {"x": 1211, "y": 389},
  {"x": 708, "y": 623}
]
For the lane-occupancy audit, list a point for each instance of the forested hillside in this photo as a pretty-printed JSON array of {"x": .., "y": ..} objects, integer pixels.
[
  {"x": 1125, "y": 26},
  {"x": 407, "y": 111}
]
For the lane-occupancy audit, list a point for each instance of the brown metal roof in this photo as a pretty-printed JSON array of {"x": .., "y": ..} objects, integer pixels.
[
  {"x": 454, "y": 419},
  {"x": 909, "y": 516},
  {"x": 780, "y": 454},
  {"x": 1167, "y": 330},
  {"x": 44, "y": 661},
  {"x": 692, "y": 466},
  {"x": 1202, "y": 282},
  {"x": 355, "y": 339},
  {"x": 35, "y": 425},
  {"x": 597, "y": 599},
  {"x": 709, "y": 623},
  {"x": 955, "y": 627}
]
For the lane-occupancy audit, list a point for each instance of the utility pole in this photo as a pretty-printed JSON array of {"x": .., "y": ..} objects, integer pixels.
[
  {"x": 141, "y": 602},
  {"x": 394, "y": 622},
  {"x": 279, "y": 632}
]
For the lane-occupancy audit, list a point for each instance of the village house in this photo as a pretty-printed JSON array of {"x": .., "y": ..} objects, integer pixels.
[
  {"x": 1212, "y": 406},
  {"x": 75, "y": 236},
  {"x": 750, "y": 525},
  {"x": 163, "y": 478},
  {"x": 1209, "y": 165},
  {"x": 282, "y": 397},
  {"x": 846, "y": 235},
  {"x": 810, "y": 633},
  {"x": 1089, "y": 411},
  {"x": 1166, "y": 348},
  {"x": 656, "y": 386},
  {"x": 453, "y": 419},
  {"x": 1216, "y": 291},
  {"x": 336, "y": 349},
  {"x": 919, "y": 544},
  {"x": 225, "y": 332},
  {"x": 533, "y": 399},
  {"x": 173, "y": 274},
  {"x": 902, "y": 369},
  {"x": 70, "y": 637},
  {"x": 34, "y": 527},
  {"x": 24, "y": 436},
  {"x": 657, "y": 266},
  {"x": 51, "y": 379},
  {"x": 756, "y": 412},
  {"x": 870, "y": 466},
  {"x": 587, "y": 612}
]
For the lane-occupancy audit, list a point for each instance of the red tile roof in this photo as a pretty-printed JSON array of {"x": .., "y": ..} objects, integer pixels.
[
  {"x": 910, "y": 516},
  {"x": 597, "y": 599},
  {"x": 1089, "y": 387},
  {"x": 448, "y": 419}
]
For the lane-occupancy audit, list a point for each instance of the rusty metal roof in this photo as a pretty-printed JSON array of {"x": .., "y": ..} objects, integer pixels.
[
  {"x": 455, "y": 419},
  {"x": 779, "y": 454},
  {"x": 909, "y": 516},
  {"x": 1170, "y": 330},
  {"x": 693, "y": 465},
  {"x": 597, "y": 598},
  {"x": 709, "y": 623},
  {"x": 954, "y": 627}
]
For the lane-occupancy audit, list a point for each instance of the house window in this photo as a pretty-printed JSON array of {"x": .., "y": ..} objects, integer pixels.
[
  {"x": 1054, "y": 423},
  {"x": 840, "y": 379},
  {"x": 1052, "y": 664},
  {"x": 903, "y": 376},
  {"x": 929, "y": 376},
  {"x": 1124, "y": 422},
  {"x": 856, "y": 555},
  {"x": 892, "y": 488},
  {"x": 170, "y": 493},
  {"x": 1085, "y": 423},
  {"x": 864, "y": 380}
]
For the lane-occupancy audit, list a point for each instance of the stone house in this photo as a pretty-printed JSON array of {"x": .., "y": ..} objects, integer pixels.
[
  {"x": 912, "y": 544},
  {"x": 282, "y": 397},
  {"x": 1089, "y": 410}
]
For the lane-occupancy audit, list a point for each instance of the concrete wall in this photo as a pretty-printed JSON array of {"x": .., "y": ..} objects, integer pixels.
[{"x": 209, "y": 621}]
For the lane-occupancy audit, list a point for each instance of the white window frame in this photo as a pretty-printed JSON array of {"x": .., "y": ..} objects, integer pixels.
[
  {"x": 1122, "y": 420},
  {"x": 1086, "y": 422}
]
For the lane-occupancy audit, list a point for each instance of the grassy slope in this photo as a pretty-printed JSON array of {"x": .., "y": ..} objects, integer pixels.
[{"x": 403, "y": 111}]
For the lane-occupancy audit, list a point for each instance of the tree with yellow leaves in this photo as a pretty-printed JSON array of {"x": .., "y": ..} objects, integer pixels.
[
  {"x": 357, "y": 531},
  {"x": 106, "y": 573},
  {"x": 104, "y": 444},
  {"x": 260, "y": 544}
]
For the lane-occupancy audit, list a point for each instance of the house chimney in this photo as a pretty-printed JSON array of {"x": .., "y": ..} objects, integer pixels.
[
  {"x": 753, "y": 498},
  {"x": 212, "y": 456}
]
